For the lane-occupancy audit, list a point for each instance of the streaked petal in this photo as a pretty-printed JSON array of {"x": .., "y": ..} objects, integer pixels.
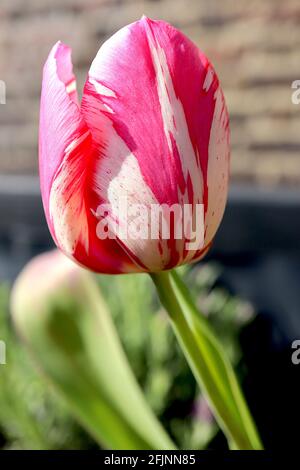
[
  {"x": 218, "y": 166},
  {"x": 149, "y": 102},
  {"x": 61, "y": 124},
  {"x": 65, "y": 156}
]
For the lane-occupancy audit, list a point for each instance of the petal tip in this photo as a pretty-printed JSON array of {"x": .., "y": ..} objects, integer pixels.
[
  {"x": 58, "y": 47},
  {"x": 62, "y": 48},
  {"x": 147, "y": 20}
]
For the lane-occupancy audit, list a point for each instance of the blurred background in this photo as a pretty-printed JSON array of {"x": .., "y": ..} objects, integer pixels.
[{"x": 254, "y": 267}]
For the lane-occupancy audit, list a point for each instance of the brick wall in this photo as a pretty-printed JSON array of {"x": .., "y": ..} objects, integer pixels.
[{"x": 254, "y": 45}]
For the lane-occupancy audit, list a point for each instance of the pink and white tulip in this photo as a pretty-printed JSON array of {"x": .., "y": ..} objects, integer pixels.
[{"x": 152, "y": 127}]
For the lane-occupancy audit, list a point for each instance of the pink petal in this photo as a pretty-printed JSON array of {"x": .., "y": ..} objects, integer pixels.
[
  {"x": 65, "y": 156},
  {"x": 60, "y": 118}
]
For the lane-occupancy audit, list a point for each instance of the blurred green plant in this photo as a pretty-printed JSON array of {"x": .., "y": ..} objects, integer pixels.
[
  {"x": 32, "y": 416},
  {"x": 65, "y": 323}
]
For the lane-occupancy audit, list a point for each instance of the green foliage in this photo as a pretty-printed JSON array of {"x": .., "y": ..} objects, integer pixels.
[
  {"x": 154, "y": 353},
  {"x": 32, "y": 416}
]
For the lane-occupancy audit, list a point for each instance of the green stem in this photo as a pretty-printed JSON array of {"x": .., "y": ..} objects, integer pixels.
[{"x": 208, "y": 362}]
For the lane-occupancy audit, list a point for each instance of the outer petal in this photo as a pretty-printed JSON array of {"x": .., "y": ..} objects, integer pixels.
[
  {"x": 60, "y": 119},
  {"x": 66, "y": 153},
  {"x": 150, "y": 102}
]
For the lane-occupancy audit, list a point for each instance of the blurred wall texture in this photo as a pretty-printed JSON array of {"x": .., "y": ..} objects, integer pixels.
[{"x": 254, "y": 45}]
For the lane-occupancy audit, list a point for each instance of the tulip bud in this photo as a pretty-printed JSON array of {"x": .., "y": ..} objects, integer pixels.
[
  {"x": 60, "y": 314},
  {"x": 135, "y": 177}
]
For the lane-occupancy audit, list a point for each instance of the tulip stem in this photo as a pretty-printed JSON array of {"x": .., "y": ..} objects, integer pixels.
[{"x": 208, "y": 362}]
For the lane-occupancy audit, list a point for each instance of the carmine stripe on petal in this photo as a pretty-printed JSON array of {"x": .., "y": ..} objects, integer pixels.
[
  {"x": 196, "y": 84},
  {"x": 124, "y": 66},
  {"x": 66, "y": 203},
  {"x": 178, "y": 135},
  {"x": 174, "y": 121},
  {"x": 116, "y": 178}
]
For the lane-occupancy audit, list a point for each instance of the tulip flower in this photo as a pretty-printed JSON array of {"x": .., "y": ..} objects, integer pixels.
[
  {"x": 152, "y": 127},
  {"x": 151, "y": 132}
]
